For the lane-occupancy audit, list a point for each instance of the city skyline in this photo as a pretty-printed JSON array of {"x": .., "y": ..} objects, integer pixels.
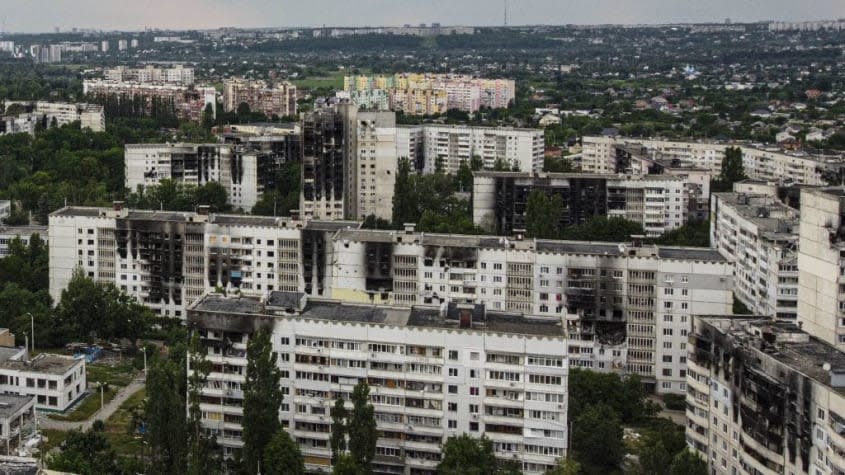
[{"x": 45, "y": 15}]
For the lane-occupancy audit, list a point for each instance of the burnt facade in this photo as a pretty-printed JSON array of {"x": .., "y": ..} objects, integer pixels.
[
  {"x": 326, "y": 160},
  {"x": 765, "y": 397}
]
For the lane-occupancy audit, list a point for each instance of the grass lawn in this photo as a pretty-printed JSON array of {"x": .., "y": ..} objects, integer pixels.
[
  {"x": 54, "y": 439},
  {"x": 123, "y": 443},
  {"x": 120, "y": 375},
  {"x": 88, "y": 406},
  {"x": 335, "y": 82}
]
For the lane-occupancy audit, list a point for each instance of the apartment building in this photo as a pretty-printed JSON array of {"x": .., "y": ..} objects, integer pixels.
[
  {"x": 821, "y": 260},
  {"x": 271, "y": 100},
  {"x": 5, "y": 209},
  {"x": 461, "y": 92},
  {"x": 660, "y": 203},
  {"x": 374, "y": 175},
  {"x": 55, "y": 381},
  {"x": 24, "y": 233},
  {"x": 246, "y": 172},
  {"x": 759, "y": 235},
  {"x": 641, "y": 297},
  {"x": 187, "y": 102},
  {"x": 176, "y": 75},
  {"x": 434, "y": 372},
  {"x": 765, "y": 397},
  {"x": 327, "y": 161},
  {"x": 89, "y": 116},
  {"x": 444, "y": 147},
  {"x": 606, "y": 155}
]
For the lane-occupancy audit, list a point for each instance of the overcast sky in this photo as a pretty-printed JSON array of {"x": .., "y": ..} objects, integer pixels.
[{"x": 44, "y": 15}]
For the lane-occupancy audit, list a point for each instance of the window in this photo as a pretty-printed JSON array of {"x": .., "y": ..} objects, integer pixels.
[
  {"x": 453, "y": 424},
  {"x": 453, "y": 355},
  {"x": 473, "y": 426},
  {"x": 452, "y": 407},
  {"x": 667, "y": 372},
  {"x": 473, "y": 391},
  {"x": 453, "y": 389},
  {"x": 473, "y": 408},
  {"x": 285, "y": 340},
  {"x": 453, "y": 372},
  {"x": 473, "y": 356}
]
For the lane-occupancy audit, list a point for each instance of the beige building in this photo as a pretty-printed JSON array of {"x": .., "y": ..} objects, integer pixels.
[{"x": 271, "y": 100}]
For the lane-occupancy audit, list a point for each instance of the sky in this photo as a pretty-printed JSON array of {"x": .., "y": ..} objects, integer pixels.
[{"x": 45, "y": 15}]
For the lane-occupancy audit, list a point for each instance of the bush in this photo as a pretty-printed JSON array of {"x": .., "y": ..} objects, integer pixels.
[{"x": 674, "y": 402}]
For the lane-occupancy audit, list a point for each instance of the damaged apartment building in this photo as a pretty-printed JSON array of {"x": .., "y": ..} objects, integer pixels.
[
  {"x": 433, "y": 372},
  {"x": 660, "y": 203},
  {"x": 631, "y": 303},
  {"x": 765, "y": 395},
  {"x": 246, "y": 166}
]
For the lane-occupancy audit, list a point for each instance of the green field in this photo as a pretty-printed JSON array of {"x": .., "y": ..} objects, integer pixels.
[
  {"x": 116, "y": 426},
  {"x": 334, "y": 82},
  {"x": 88, "y": 406}
]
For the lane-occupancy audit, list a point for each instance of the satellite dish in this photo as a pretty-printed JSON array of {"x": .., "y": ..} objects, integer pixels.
[
  {"x": 622, "y": 249},
  {"x": 826, "y": 366}
]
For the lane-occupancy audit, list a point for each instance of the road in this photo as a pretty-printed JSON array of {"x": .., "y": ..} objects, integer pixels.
[{"x": 103, "y": 414}]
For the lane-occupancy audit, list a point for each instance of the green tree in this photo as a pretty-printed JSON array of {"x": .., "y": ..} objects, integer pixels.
[
  {"x": 558, "y": 165},
  {"x": 282, "y": 456},
  {"x": 543, "y": 215},
  {"x": 565, "y": 466},
  {"x": 732, "y": 170},
  {"x": 374, "y": 222},
  {"x": 89, "y": 310},
  {"x": 164, "y": 414},
  {"x": 203, "y": 454},
  {"x": 404, "y": 207},
  {"x": 464, "y": 177},
  {"x": 346, "y": 465},
  {"x": 603, "y": 229},
  {"x": 208, "y": 117},
  {"x": 262, "y": 399},
  {"x": 86, "y": 453},
  {"x": 214, "y": 195},
  {"x": 466, "y": 455},
  {"x": 362, "y": 430},
  {"x": 688, "y": 463},
  {"x": 691, "y": 234},
  {"x": 655, "y": 459},
  {"x": 597, "y": 439},
  {"x": 337, "y": 441}
]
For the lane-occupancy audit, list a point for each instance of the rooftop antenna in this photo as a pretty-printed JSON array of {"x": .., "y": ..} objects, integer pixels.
[{"x": 506, "y": 12}]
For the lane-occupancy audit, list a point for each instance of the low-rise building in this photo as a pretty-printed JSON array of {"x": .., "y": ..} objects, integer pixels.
[
  {"x": 433, "y": 372},
  {"x": 24, "y": 233},
  {"x": 17, "y": 421},
  {"x": 55, "y": 381}
]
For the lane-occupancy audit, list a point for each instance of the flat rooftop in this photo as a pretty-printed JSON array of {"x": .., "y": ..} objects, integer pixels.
[
  {"x": 43, "y": 363},
  {"x": 11, "y": 404},
  {"x": 418, "y": 316},
  {"x": 784, "y": 342},
  {"x": 771, "y": 216}
]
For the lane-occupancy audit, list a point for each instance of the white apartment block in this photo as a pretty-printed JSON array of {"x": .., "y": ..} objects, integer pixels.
[
  {"x": 55, "y": 381},
  {"x": 660, "y": 203},
  {"x": 89, "y": 116},
  {"x": 433, "y": 373},
  {"x": 758, "y": 234},
  {"x": 821, "y": 265},
  {"x": 374, "y": 176},
  {"x": 761, "y": 163},
  {"x": 242, "y": 171},
  {"x": 17, "y": 421},
  {"x": 765, "y": 398},
  {"x": 447, "y": 146},
  {"x": 24, "y": 233},
  {"x": 178, "y": 75},
  {"x": 5, "y": 209},
  {"x": 631, "y": 301}
]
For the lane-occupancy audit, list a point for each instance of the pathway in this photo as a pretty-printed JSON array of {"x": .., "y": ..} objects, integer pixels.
[{"x": 103, "y": 414}]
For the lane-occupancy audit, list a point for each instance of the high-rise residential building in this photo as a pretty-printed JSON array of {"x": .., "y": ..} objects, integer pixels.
[
  {"x": 660, "y": 203},
  {"x": 444, "y": 147},
  {"x": 133, "y": 43},
  {"x": 122, "y": 45},
  {"x": 764, "y": 397},
  {"x": 246, "y": 172},
  {"x": 758, "y": 233},
  {"x": 613, "y": 155},
  {"x": 327, "y": 161},
  {"x": 433, "y": 372},
  {"x": 821, "y": 260},
  {"x": 276, "y": 100},
  {"x": 418, "y": 94},
  {"x": 635, "y": 301},
  {"x": 374, "y": 174},
  {"x": 104, "y": 46},
  {"x": 185, "y": 102}
]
